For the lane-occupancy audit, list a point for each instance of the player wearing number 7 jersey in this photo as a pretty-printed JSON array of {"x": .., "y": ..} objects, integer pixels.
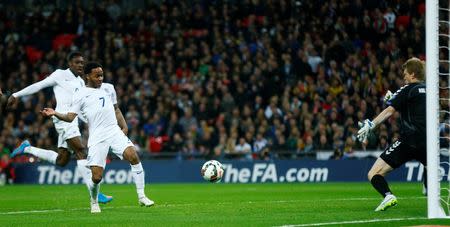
[
  {"x": 64, "y": 84},
  {"x": 409, "y": 101},
  {"x": 95, "y": 105}
]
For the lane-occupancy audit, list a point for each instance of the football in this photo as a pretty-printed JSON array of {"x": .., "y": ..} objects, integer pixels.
[{"x": 212, "y": 171}]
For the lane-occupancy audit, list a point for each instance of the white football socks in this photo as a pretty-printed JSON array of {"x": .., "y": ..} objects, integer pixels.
[
  {"x": 47, "y": 155},
  {"x": 139, "y": 179},
  {"x": 85, "y": 171},
  {"x": 93, "y": 191}
]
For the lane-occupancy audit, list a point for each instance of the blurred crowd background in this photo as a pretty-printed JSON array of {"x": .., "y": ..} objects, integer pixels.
[{"x": 243, "y": 79}]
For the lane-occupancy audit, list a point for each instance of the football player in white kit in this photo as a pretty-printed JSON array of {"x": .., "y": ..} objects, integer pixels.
[
  {"x": 64, "y": 83},
  {"x": 94, "y": 103}
]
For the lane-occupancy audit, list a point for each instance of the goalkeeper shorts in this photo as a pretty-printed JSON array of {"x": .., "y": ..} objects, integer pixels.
[{"x": 398, "y": 153}]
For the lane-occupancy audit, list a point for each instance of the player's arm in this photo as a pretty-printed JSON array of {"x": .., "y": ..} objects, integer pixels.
[
  {"x": 395, "y": 102},
  {"x": 49, "y": 112},
  {"x": 385, "y": 114},
  {"x": 368, "y": 125},
  {"x": 31, "y": 89},
  {"x": 70, "y": 115},
  {"x": 120, "y": 119},
  {"x": 119, "y": 116}
]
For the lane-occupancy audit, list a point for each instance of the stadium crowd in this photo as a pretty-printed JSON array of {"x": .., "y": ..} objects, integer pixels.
[{"x": 248, "y": 79}]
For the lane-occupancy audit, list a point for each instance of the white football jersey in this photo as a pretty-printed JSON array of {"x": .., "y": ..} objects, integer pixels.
[
  {"x": 96, "y": 106},
  {"x": 109, "y": 89},
  {"x": 64, "y": 84}
]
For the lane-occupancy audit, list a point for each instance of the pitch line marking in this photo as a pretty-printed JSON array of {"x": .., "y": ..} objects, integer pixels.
[
  {"x": 33, "y": 211},
  {"x": 356, "y": 222},
  {"x": 191, "y": 204}
]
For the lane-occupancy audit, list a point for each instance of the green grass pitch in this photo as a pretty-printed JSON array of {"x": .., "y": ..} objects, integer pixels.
[{"x": 332, "y": 204}]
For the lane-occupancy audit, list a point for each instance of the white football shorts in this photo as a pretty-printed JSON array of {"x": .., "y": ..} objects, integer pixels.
[
  {"x": 116, "y": 143},
  {"x": 66, "y": 130}
]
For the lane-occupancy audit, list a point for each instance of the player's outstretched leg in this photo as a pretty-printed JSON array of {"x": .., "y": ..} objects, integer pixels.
[
  {"x": 52, "y": 157},
  {"x": 138, "y": 175},
  {"x": 20, "y": 149},
  {"x": 43, "y": 154}
]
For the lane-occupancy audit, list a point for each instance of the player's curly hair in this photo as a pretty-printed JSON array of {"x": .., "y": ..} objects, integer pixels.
[
  {"x": 90, "y": 66},
  {"x": 416, "y": 66}
]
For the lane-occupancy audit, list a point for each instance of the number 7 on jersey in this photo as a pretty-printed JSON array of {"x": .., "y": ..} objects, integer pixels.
[{"x": 103, "y": 101}]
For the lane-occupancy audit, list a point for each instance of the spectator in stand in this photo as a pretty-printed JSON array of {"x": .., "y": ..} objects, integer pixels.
[
  {"x": 243, "y": 149},
  {"x": 218, "y": 152},
  {"x": 309, "y": 149},
  {"x": 323, "y": 143},
  {"x": 348, "y": 152},
  {"x": 173, "y": 127},
  {"x": 230, "y": 149},
  {"x": 260, "y": 147},
  {"x": 188, "y": 121},
  {"x": 175, "y": 144}
]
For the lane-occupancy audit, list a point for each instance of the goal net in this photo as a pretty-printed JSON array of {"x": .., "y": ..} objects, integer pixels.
[{"x": 438, "y": 107}]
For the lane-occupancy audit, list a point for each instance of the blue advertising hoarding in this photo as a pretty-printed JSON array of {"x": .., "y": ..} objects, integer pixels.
[{"x": 172, "y": 171}]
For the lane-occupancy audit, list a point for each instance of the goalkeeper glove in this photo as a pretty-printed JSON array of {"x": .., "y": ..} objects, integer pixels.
[
  {"x": 365, "y": 128},
  {"x": 387, "y": 96}
]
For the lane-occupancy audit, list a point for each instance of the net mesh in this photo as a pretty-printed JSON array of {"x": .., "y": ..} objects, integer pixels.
[{"x": 444, "y": 103}]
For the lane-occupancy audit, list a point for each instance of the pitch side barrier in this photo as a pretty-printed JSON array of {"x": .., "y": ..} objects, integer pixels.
[{"x": 172, "y": 171}]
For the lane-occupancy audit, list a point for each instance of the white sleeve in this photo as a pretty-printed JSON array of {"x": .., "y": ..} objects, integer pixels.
[
  {"x": 113, "y": 95},
  {"x": 75, "y": 107},
  {"x": 50, "y": 81}
]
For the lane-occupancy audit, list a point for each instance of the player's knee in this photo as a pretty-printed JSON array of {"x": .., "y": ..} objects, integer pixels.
[
  {"x": 369, "y": 175},
  {"x": 131, "y": 155},
  {"x": 134, "y": 159},
  {"x": 96, "y": 178},
  {"x": 78, "y": 148},
  {"x": 62, "y": 160},
  {"x": 372, "y": 172}
]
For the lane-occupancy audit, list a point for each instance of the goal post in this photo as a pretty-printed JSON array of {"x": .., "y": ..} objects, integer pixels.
[{"x": 435, "y": 209}]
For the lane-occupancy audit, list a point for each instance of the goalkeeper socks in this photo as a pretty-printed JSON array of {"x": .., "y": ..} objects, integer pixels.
[
  {"x": 47, "y": 155},
  {"x": 139, "y": 179},
  {"x": 380, "y": 184},
  {"x": 84, "y": 171}
]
